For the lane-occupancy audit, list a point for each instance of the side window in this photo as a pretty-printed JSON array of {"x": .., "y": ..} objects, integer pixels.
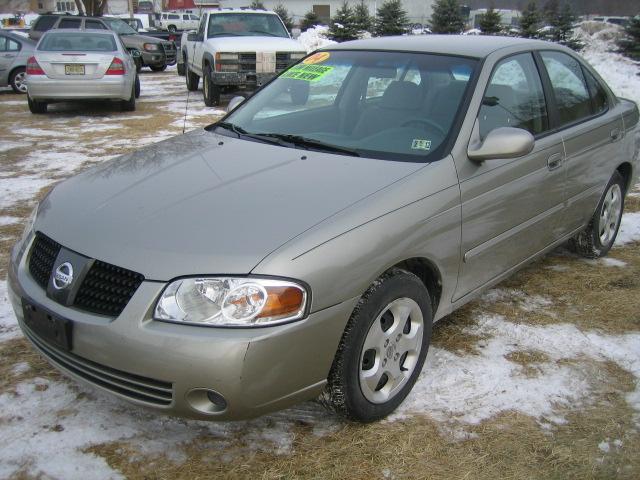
[
  {"x": 598, "y": 93},
  {"x": 201, "y": 27},
  {"x": 44, "y": 23},
  {"x": 13, "y": 46},
  {"x": 378, "y": 82},
  {"x": 569, "y": 87},
  {"x": 514, "y": 97},
  {"x": 94, "y": 24},
  {"x": 193, "y": 17},
  {"x": 3, "y": 43},
  {"x": 69, "y": 23},
  {"x": 185, "y": 17}
]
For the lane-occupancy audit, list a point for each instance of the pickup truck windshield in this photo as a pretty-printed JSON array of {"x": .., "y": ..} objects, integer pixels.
[
  {"x": 388, "y": 105},
  {"x": 245, "y": 24},
  {"x": 119, "y": 26}
]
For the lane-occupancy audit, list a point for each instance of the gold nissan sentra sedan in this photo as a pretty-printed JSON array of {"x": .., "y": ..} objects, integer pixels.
[{"x": 304, "y": 245}]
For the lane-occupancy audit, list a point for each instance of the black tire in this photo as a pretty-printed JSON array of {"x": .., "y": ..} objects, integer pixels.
[
  {"x": 344, "y": 393},
  {"x": 589, "y": 243},
  {"x": 210, "y": 91},
  {"x": 192, "y": 80},
  {"x": 138, "y": 62},
  {"x": 181, "y": 69},
  {"x": 36, "y": 106},
  {"x": 172, "y": 28},
  {"x": 137, "y": 87},
  {"x": 129, "y": 105},
  {"x": 16, "y": 80},
  {"x": 158, "y": 68}
]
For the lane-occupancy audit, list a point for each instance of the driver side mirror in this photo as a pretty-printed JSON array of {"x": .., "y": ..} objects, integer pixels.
[
  {"x": 234, "y": 102},
  {"x": 501, "y": 143}
]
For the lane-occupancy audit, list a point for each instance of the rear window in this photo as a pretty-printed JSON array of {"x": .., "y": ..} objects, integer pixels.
[
  {"x": 44, "y": 23},
  {"x": 174, "y": 17},
  {"x": 77, "y": 42}
]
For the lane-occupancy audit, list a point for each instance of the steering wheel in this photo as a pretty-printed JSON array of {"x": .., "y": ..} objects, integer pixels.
[{"x": 426, "y": 122}]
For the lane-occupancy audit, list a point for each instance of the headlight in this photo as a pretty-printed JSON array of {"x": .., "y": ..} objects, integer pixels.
[
  {"x": 151, "y": 47},
  {"x": 28, "y": 227},
  {"x": 226, "y": 56},
  {"x": 297, "y": 55},
  {"x": 229, "y": 301}
]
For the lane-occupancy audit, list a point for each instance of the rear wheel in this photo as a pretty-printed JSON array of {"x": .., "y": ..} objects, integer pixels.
[
  {"x": 17, "y": 80},
  {"x": 598, "y": 238},
  {"x": 211, "y": 92},
  {"x": 36, "y": 106},
  {"x": 172, "y": 28},
  {"x": 382, "y": 349},
  {"x": 192, "y": 80},
  {"x": 137, "y": 87},
  {"x": 158, "y": 68},
  {"x": 129, "y": 105}
]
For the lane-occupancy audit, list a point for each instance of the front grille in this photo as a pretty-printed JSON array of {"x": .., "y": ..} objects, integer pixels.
[
  {"x": 283, "y": 60},
  {"x": 169, "y": 51},
  {"x": 247, "y": 62},
  {"x": 43, "y": 255},
  {"x": 135, "y": 387},
  {"x": 106, "y": 289}
]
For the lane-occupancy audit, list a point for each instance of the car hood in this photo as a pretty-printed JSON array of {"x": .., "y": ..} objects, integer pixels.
[
  {"x": 131, "y": 40},
  {"x": 202, "y": 203},
  {"x": 254, "y": 44}
]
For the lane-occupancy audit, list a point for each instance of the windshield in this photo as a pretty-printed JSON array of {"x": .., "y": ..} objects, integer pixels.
[
  {"x": 77, "y": 42},
  {"x": 245, "y": 24},
  {"x": 119, "y": 26},
  {"x": 390, "y": 105}
]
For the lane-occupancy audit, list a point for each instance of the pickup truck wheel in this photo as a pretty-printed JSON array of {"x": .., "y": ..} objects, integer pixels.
[
  {"x": 158, "y": 68},
  {"x": 210, "y": 92},
  {"x": 382, "y": 349},
  {"x": 192, "y": 80},
  {"x": 138, "y": 62},
  {"x": 36, "y": 106},
  {"x": 172, "y": 28},
  {"x": 597, "y": 239},
  {"x": 181, "y": 69}
]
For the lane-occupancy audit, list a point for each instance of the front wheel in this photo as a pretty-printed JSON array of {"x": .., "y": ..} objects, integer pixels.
[
  {"x": 129, "y": 105},
  {"x": 172, "y": 29},
  {"x": 598, "y": 238},
  {"x": 181, "y": 69},
  {"x": 192, "y": 80},
  {"x": 382, "y": 349},
  {"x": 17, "y": 80},
  {"x": 211, "y": 92}
]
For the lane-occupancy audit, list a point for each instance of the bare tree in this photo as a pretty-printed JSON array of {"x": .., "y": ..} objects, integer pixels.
[{"x": 92, "y": 8}]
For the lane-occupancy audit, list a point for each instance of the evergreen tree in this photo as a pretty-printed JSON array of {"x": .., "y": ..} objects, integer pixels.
[
  {"x": 342, "y": 27},
  {"x": 391, "y": 19},
  {"x": 310, "y": 20},
  {"x": 551, "y": 12},
  {"x": 563, "y": 25},
  {"x": 630, "y": 44},
  {"x": 530, "y": 21},
  {"x": 490, "y": 22},
  {"x": 446, "y": 17},
  {"x": 361, "y": 18},
  {"x": 258, "y": 5},
  {"x": 283, "y": 13}
]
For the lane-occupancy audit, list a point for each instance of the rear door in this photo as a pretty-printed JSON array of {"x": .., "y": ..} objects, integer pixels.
[
  {"x": 9, "y": 50},
  {"x": 511, "y": 209},
  {"x": 591, "y": 124}
]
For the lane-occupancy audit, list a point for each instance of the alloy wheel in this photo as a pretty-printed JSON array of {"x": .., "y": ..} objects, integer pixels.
[{"x": 610, "y": 214}]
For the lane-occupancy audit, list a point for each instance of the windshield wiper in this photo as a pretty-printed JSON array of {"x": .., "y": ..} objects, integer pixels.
[
  {"x": 241, "y": 132},
  {"x": 310, "y": 143}
]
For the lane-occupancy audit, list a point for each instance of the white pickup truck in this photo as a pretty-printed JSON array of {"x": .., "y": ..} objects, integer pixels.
[{"x": 236, "y": 50}]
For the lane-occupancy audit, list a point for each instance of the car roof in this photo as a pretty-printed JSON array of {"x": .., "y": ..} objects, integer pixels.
[
  {"x": 462, "y": 45},
  {"x": 80, "y": 30},
  {"x": 238, "y": 10}
]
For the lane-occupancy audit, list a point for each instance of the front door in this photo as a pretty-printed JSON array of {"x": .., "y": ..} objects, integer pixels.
[{"x": 511, "y": 209}]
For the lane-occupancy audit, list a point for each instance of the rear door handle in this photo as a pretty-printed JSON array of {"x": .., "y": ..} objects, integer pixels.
[
  {"x": 554, "y": 161},
  {"x": 615, "y": 134}
]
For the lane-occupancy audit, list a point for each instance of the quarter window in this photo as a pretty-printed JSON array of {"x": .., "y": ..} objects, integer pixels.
[
  {"x": 69, "y": 23},
  {"x": 598, "y": 93},
  {"x": 514, "y": 97},
  {"x": 13, "y": 46},
  {"x": 3, "y": 44},
  {"x": 569, "y": 87}
]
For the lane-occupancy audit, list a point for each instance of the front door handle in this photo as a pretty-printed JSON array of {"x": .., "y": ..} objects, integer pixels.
[
  {"x": 554, "y": 161},
  {"x": 615, "y": 134}
]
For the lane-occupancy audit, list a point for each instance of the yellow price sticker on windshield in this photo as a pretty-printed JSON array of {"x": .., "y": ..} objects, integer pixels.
[
  {"x": 308, "y": 73},
  {"x": 316, "y": 58}
]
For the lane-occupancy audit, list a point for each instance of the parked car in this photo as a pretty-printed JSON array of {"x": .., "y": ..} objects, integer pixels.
[
  {"x": 81, "y": 65},
  {"x": 156, "y": 53},
  {"x": 236, "y": 49},
  {"x": 14, "y": 53},
  {"x": 145, "y": 6},
  {"x": 305, "y": 244},
  {"x": 178, "y": 21}
]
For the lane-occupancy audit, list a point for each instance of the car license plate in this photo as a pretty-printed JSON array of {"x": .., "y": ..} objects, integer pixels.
[
  {"x": 74, "y": 69},
  {"x": 52, "y": 329}
]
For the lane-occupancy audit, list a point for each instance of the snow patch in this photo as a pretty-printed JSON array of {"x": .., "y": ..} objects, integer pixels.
[
  {"x": 629, "y": 229},
  {"x": 315, "y": 38}
]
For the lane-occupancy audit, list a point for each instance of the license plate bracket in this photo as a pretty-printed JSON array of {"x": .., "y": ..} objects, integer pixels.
[
  {"x": 74, "y": 69},
  {"x": 47, "y": 326}
]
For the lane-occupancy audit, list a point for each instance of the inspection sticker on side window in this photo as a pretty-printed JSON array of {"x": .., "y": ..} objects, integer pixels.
[
  {"x": 420, "y": 144},
  {"x": 308, "y": 73}
]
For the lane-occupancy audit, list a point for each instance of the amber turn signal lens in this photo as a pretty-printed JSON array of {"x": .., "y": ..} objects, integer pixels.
[{"x": 282, "y": 302}]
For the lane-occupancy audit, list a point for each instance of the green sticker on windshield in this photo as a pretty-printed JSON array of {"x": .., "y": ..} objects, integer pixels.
[{"x": 308, "y": 73}]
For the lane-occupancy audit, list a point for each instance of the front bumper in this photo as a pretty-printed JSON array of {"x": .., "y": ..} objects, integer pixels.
[
  {"x": 117, "y": 87},
  {"x": 255, "y": 370},
  {"x": 167, "y": 55}
]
